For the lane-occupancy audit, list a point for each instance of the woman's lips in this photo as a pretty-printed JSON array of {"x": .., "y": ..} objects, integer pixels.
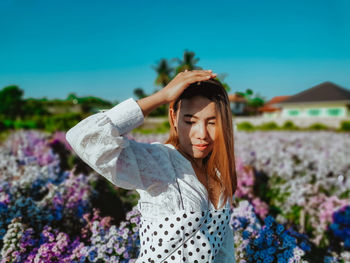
[{"x": 201, "y": 146}]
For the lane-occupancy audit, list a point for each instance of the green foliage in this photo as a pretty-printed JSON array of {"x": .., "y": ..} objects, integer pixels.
[
  {"x": 163, "y": 127},
  {"x": 318, "y": 127},
  {"x": 11, "y": 101},
  {"x": 139, "y": 93},
  {"x": 268, "y": 126},
  {"x": 294, "y": 214},
  {"x": 254, "y": 101},
  {"x": 245, "y": 126},
  {"x": 289, "y": 125},
  {"x": 160, "y": 111},
  {"x": 345, "y": 126},
  {"x": 61, "y": 122},
  {"x": 34, "y": 107},
  {"x": 91, "y": 104},
  {"x": 160, "y": 129}
]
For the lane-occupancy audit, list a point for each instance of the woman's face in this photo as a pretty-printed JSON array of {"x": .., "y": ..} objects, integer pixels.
[{"x": 195, "y": 122}]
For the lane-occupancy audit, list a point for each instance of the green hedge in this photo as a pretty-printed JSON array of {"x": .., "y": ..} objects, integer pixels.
[
  {"x": 288, "y": 125},
  {"x": 59, "y": 122},
  {"x": 345, "y": 126}
]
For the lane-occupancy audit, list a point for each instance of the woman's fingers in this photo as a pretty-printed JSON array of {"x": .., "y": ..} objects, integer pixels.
[
  {"x": 199, "y": 76},
  {"x": 193, "y": 73}
]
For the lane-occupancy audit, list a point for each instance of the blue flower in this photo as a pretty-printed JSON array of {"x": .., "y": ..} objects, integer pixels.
[{"x": 279, "y": 229}]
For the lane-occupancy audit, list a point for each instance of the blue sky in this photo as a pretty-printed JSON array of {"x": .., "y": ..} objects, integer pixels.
[{"x": 107, "y": 48}]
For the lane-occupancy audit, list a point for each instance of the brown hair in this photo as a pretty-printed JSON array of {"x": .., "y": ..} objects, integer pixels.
[{"x": 222, "y": 156}]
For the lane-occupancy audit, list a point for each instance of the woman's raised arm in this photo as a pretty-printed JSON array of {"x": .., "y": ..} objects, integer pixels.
[
  {"x": 100, "y": 141},
  {"x": 173, "y": 90}
]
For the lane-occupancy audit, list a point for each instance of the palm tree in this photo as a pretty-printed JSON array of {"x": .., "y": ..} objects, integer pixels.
[
  {"x": 189, "y": 62},
  {"x": 221, "y": 78},
  {"x": 164, "y": 72}
]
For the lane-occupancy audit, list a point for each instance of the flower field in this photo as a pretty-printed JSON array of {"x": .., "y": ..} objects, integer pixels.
[{"x": 292, "y": 202}]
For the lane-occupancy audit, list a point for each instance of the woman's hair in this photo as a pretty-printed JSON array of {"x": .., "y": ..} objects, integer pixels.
[{"x": 222, "y": 156}]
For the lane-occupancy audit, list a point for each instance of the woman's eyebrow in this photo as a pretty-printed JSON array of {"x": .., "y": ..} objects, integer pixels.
[{"x": 192, "y": 116}]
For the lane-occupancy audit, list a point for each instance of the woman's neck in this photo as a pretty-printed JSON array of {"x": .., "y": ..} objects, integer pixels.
[{"x": 197, "y": 162}]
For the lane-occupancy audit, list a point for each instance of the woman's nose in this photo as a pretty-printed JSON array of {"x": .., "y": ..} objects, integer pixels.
[{"x": 201, "y": 131}]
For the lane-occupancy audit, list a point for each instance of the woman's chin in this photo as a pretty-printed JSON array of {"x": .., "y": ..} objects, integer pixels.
[{"x": 199, "y": 154}]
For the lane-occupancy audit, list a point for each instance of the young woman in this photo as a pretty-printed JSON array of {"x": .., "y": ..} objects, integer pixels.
[{"x": 187, "y": 184}]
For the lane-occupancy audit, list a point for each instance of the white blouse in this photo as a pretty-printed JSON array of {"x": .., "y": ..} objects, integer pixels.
[{"x": 176, "y": 224}]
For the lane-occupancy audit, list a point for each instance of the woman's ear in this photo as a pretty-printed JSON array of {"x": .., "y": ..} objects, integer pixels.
[{"x": 173, "y": 116}]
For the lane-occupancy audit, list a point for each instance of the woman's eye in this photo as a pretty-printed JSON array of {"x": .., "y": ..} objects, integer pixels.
[
  {"x": 189, "y": 122},
  {"x": 212, "y": 123}
]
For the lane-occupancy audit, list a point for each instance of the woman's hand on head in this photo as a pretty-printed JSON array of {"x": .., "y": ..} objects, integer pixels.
[{"x": 182, "y": 80}]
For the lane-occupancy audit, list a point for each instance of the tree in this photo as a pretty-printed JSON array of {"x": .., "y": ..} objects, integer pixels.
[
  {"x": 139, "y": 93},
  {"x": 221, "y": 78},
  {"x": 11, "y": 101},
  {"x": 188, "y": 62},
  {"x": 164, "y": 72},
  {"x": 253, "y": 101}
]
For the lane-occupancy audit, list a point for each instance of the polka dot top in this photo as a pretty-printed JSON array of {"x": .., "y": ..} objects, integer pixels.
[{"x": 178, "y": 221}]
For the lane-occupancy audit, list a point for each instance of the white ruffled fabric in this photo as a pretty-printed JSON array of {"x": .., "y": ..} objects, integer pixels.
[{"x": 150, "y": 168}]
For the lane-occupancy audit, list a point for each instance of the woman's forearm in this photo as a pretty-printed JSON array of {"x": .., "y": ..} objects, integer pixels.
[{"x": 150, "y": 103}]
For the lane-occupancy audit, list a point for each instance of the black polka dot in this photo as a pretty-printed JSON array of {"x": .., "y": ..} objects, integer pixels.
[
  {"x": 178, "y": 219},
  {"x": 184, "y": 215},
  {"x": 172, "y": 257},
  {"x": 159, "y": 256},
  {"x": 203, "y": 244},
  {"x": 171, "y": 225}
]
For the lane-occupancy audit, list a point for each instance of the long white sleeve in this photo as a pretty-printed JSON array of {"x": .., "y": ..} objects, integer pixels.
[{"x": 100, "y": 142}]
